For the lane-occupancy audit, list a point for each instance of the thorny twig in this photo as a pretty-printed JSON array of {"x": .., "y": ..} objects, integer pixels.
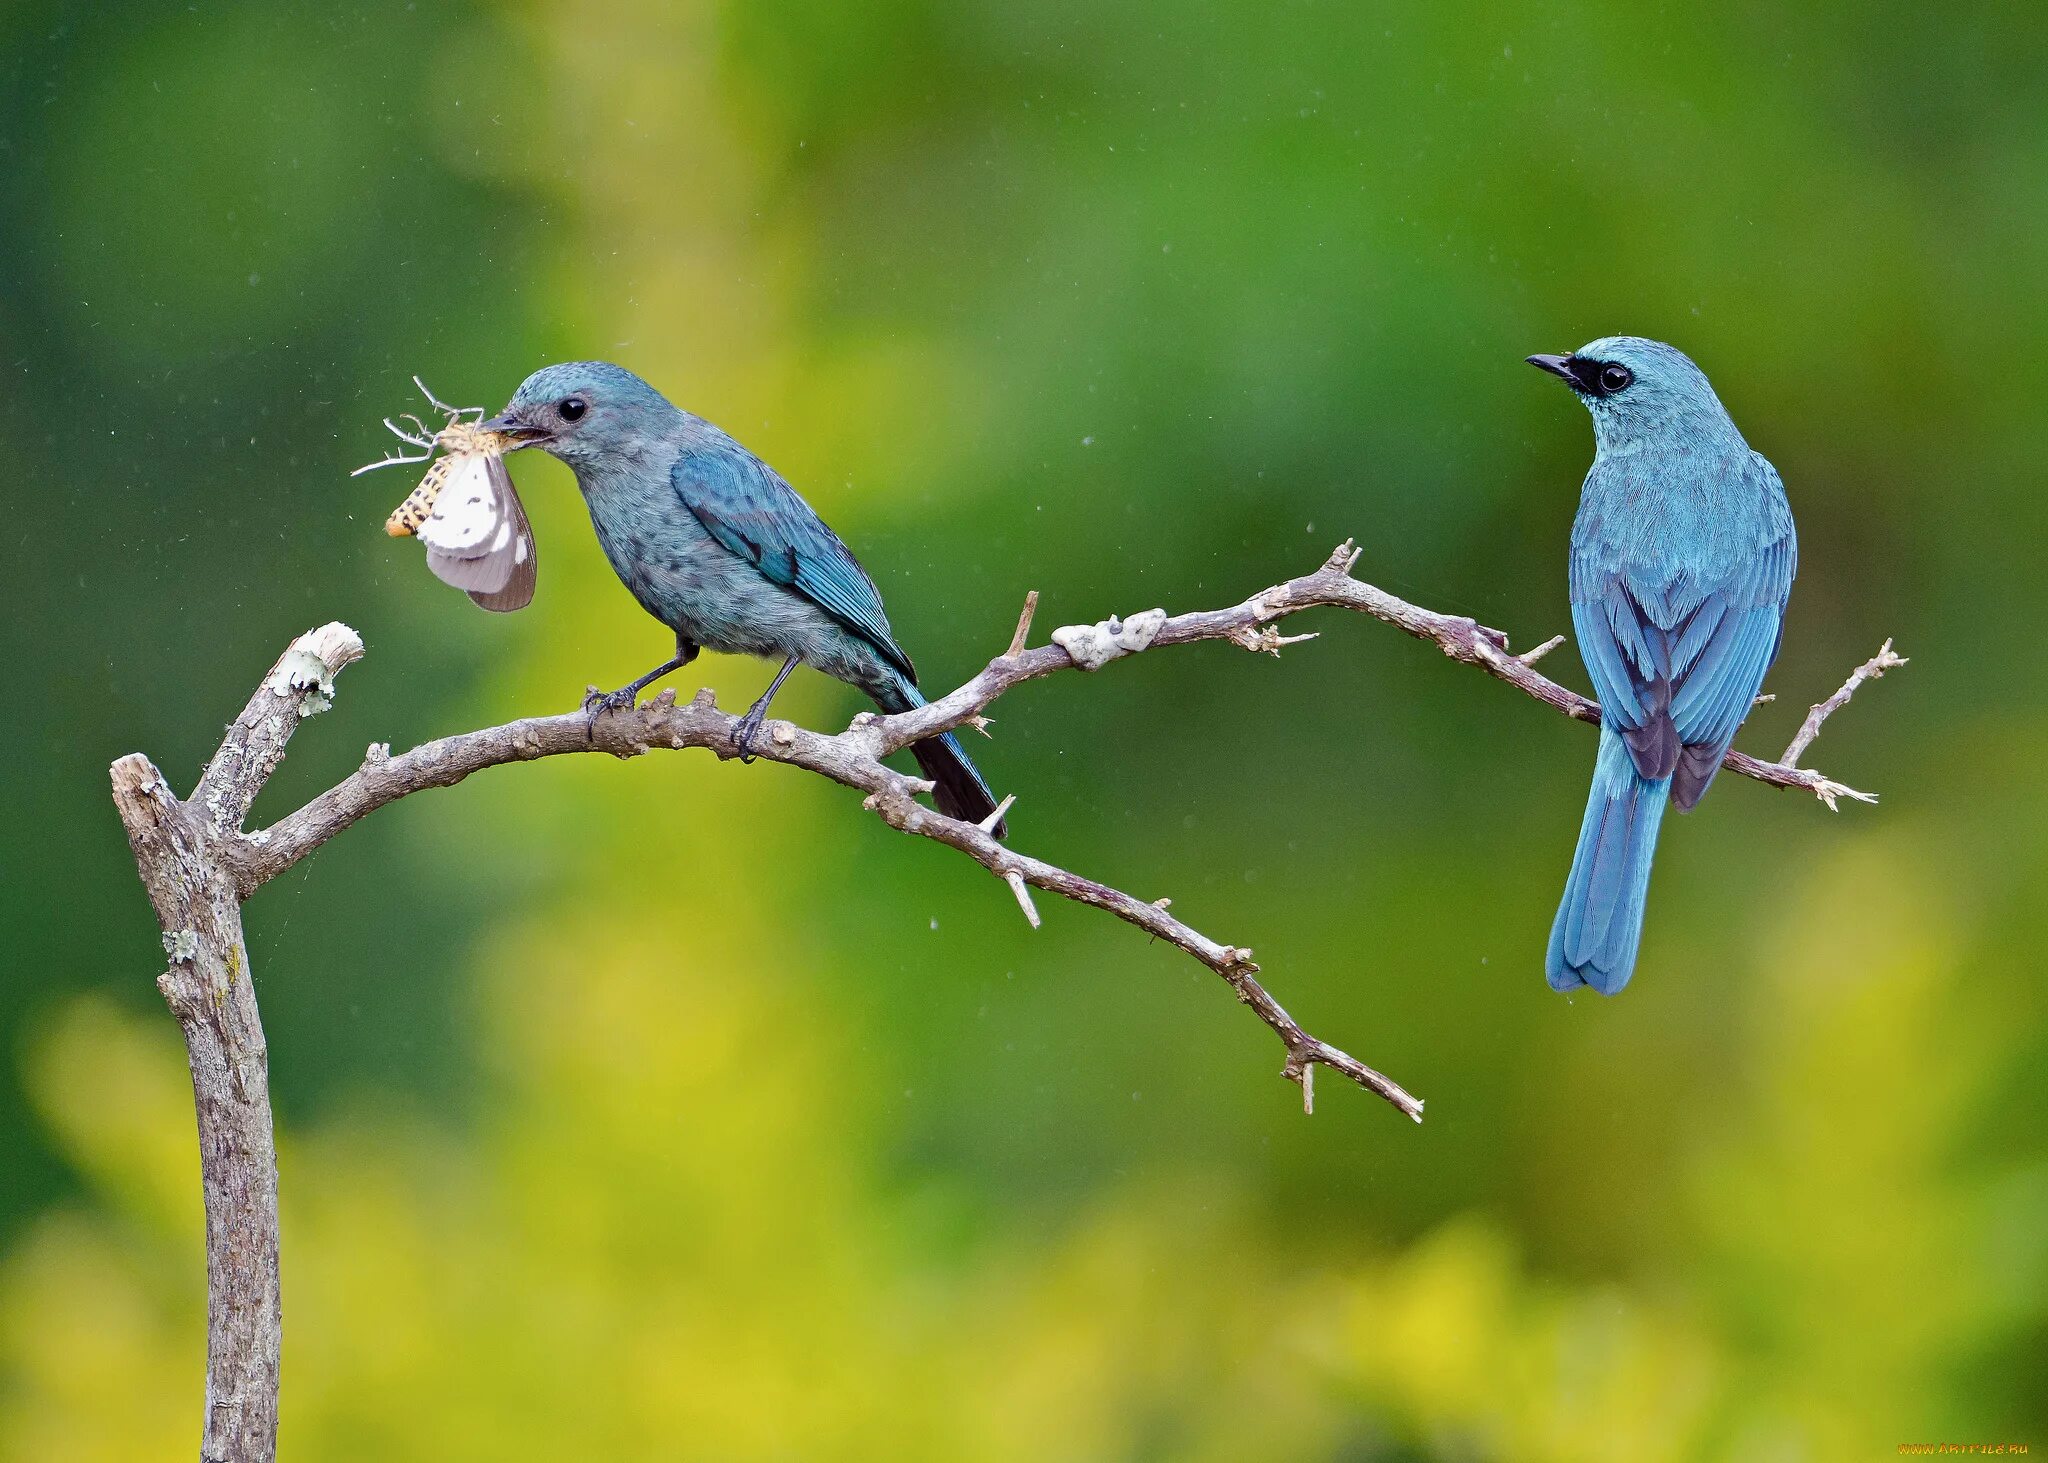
[{"x": 1870, "y": 670}]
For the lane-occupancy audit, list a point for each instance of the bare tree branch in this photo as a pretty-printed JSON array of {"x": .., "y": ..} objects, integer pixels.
[
  {"x": 209, "y": 989},
  {"x": 198, "y": 866},
  {"x": 1870, "y": 670},
  {"x": 1250, "y": 624},
  {"x": 1024, "y": 623},
  {"x": 384, "y": 777},
  {"x": 301, "y": 684}
]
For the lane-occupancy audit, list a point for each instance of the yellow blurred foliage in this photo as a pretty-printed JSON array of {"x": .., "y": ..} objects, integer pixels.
[{"x": 668, "y": 1238}]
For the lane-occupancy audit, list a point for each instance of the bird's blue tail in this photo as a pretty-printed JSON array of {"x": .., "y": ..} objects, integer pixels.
[
  {"x": 1600, "y": 922},
  {"x": 958, "y": 787}
]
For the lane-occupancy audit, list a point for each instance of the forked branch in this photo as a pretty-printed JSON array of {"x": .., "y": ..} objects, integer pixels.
[{"x": 198, "y": 866}]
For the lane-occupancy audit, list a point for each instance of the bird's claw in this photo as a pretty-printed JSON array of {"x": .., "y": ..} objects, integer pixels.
[
  {"x": 596, "y": 703},
  {"x": 743, "y": 734}
]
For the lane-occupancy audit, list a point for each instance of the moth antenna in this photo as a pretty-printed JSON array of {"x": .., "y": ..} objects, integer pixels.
[
  {"x": 452, "y": 412},
  {"x": 426, "y": 441},
  {"x": 433, "y": 400},
  {"x": 395, "y": 460}
]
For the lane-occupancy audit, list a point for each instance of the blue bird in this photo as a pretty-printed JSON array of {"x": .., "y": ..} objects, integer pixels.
[
  {"x": 1682, "y": 560},
  {"x": 721, "y": 550}
]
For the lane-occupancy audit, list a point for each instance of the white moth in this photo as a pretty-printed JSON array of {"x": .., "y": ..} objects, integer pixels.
[{"x": 465, "y": 509}]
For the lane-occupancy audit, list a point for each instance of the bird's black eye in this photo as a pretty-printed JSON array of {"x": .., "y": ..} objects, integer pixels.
[
  {"x": 573, "y": 408},
  {"x": 1615, "y": 378}
]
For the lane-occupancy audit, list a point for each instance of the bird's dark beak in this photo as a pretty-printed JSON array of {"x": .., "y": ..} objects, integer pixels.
[
  {"x": 1560, "y": 367},
  {"x": 509, "y": 425}
]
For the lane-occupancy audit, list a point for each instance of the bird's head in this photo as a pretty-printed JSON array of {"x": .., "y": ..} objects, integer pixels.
[
  {"x": 586, "y": 413},
  {"x": 1640, "y": 392}
]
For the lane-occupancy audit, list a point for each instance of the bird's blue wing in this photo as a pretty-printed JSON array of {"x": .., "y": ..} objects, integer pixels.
[
  {"x": 1718, "y": 680},
  {"x": 1677, "y": 657},
  {"x": 747, "y": 507},
  {"x": 1611, "y": 641}
]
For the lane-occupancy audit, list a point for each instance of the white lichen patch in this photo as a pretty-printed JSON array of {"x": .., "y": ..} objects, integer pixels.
[
  {"x": 181, "y": 945},
  {"x": 1092, "y": 647},
  {"x": 301, "y": 673}
]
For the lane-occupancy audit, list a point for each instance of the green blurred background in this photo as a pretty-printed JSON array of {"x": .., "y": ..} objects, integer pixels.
[{"x": 674, "y": 1109}]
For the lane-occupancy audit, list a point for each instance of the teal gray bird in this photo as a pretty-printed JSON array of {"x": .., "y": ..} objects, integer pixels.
[
  {"x": 721, "y": 550},
  {"x": 1682, "y": 561}
]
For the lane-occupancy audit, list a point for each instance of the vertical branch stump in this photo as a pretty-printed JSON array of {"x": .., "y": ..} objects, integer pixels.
[{"x": 208, "y": 988}]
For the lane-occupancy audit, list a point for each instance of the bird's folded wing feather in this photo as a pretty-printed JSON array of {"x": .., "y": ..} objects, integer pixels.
[
  {"x": 1717, "y": 684},
  {"x": 1686, "y": 647},
  {"x": 749, "y": 509}
]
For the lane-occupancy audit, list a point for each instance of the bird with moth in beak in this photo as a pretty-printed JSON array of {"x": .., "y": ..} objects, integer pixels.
[{"x": 714, "y": 544}]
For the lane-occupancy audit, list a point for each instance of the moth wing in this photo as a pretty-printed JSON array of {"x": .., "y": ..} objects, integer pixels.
[
  {"x": 517, "y": 590},
  {"x": 478, "y": 538},
  {"x": 467, "y": 513}
]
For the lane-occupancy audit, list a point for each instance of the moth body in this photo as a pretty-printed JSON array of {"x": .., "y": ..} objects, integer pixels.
[{"x": 466, "y": 511}]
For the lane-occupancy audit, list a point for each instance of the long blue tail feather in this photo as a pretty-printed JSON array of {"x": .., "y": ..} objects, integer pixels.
[{"x": 1600, "y": 921}]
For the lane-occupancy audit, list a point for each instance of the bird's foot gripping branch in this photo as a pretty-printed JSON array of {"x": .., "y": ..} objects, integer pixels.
[{"x": 198, "y": 865}]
